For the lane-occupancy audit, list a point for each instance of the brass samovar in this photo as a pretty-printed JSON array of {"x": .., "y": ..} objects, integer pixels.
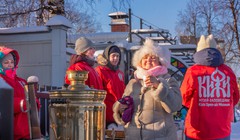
[{"x": 77, "y": 112}]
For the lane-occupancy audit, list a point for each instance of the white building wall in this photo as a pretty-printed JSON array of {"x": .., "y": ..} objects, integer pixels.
[
  {"x": 59, "y": 58},
  {"x": 42, "y": 51}
]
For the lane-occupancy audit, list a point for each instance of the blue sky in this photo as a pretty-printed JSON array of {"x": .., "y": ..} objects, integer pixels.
[{"x": 162, "y": 13}]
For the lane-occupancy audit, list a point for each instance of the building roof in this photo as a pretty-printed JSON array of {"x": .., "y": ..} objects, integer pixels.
[
  {"x": 59, "y": 20},
  {"x": 117, "y": 15}
]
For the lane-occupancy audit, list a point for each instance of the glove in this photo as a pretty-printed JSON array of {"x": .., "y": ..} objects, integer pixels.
[{"x": 128, "y": 112}]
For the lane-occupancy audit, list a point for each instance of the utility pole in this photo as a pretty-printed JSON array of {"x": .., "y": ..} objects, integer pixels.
[{"x": 130, "y": 25}]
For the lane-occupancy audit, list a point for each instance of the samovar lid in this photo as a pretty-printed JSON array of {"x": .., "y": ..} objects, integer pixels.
[{"x": 77, "y": 87}]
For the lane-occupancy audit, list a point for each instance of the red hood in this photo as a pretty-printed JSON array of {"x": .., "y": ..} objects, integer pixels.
[{"x": 5, "y": 51}]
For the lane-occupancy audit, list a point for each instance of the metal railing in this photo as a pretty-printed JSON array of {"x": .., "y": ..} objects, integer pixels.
[{"x": 43, "y": 112}]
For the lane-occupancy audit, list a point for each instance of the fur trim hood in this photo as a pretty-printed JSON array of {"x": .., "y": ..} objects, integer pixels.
[
  {"x": 103, "y": 59},
  {"x": 154, "y": 49}
]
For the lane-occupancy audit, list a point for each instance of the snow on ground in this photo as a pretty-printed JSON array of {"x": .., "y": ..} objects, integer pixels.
[{"x": 235, "y": 135}]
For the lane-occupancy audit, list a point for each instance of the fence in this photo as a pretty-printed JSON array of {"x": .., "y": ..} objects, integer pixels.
[{"x": 43, "y": 96}]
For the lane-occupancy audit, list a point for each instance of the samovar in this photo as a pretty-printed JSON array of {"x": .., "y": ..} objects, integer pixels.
[{"x": 78, "y": 111}]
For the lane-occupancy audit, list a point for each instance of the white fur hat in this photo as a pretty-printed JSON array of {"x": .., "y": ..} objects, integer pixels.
[
  {"x": 150, "y": 48},
  {"x": 206, "y": 42}
]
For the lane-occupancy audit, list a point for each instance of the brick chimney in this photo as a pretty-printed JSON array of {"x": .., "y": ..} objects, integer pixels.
[{"x": 119, "y": 22}]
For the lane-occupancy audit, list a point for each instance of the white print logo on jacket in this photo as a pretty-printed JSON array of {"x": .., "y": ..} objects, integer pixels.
[
  {"x": 120, "y": 76},
  {"x": 21, "y": 83},
  {"x": 214, "y": 85}
]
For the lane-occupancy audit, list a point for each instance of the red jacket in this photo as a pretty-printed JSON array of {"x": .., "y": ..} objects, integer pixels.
[
  {"x": 210, "y": 93},
  {"x": 113, "y": 83},
  {"x": 21, "y": 128},
  {"x": 93, "y": 77}
]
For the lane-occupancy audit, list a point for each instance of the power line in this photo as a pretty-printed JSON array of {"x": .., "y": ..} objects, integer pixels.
[{"x": 150, "y": 24}]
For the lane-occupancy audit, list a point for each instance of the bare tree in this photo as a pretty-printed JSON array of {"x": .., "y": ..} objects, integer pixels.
[
  {"x": 187, "y": 22},
  {"x": 208, "y": 15},
  {"x": 25, "y": 12},
  {"x": 235, "y": 9},
  {"x": 37, "y": 12},
  {"x": 228, "y": 15},
  {"x": 218, "y": 17}
]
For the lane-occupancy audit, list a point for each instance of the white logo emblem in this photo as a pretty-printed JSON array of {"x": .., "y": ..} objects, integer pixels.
[
  {"x": 216, "y": 83},
  {"x": 120, "y": 76},
  {"x": 214, "y": 90}
]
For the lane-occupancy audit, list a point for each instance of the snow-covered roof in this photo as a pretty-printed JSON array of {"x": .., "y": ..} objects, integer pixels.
[
  {"x": 171, "y": 47},
  {"x": 182, "y": 46},
  {"x": 59, "y": 20},
  {"x": 106, "y": 38},
  {"x": 23, "y": 29},
  {"x": 118, "y": 23},
  {"x": 121, "y": 39},
  {"x": 56, "y": 20},
  {"x": 117, "y": 14},
  {"x": 70, "y": 50},
  {"x": 149, "y": 30},
  {"x": 98, "y": 52},
  {"x": 100, "y": 37}
]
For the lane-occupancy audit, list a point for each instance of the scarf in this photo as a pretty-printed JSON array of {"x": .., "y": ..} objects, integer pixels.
[
  {"x": 11, "y": 73},
  {"x": 141, "y": 73},
  {"x": 77, "y": 58},
  {"x": 112, "y": 67}
]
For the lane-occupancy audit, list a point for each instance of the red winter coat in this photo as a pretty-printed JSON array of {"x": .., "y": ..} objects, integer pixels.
[
  {"x": 113, "y": 83},
  {"x": 93, "y": 77},
  {"x": 210, "y": 93},
  {"x": 21, "y": 128}
]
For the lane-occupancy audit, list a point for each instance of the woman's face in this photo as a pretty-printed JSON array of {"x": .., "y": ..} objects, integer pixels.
[
  {"x": 114, "y": 58},
  {"x": 90, "y": 53},
  {"x": 8, "y": 62},
  {"x": 149, "y": 61}
]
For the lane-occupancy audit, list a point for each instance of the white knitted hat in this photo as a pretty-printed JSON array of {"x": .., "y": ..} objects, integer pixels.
[
  {"x": 83, "y": 44},
  {"x": 150, "y": 48},
  {"x": 206, "y": 42}
]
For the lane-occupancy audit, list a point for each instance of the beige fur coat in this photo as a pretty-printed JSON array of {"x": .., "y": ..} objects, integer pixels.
[{"x": 152, "y": 118}]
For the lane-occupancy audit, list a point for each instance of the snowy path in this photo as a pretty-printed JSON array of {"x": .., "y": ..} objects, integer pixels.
[{"x": 235, "y": 135}]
